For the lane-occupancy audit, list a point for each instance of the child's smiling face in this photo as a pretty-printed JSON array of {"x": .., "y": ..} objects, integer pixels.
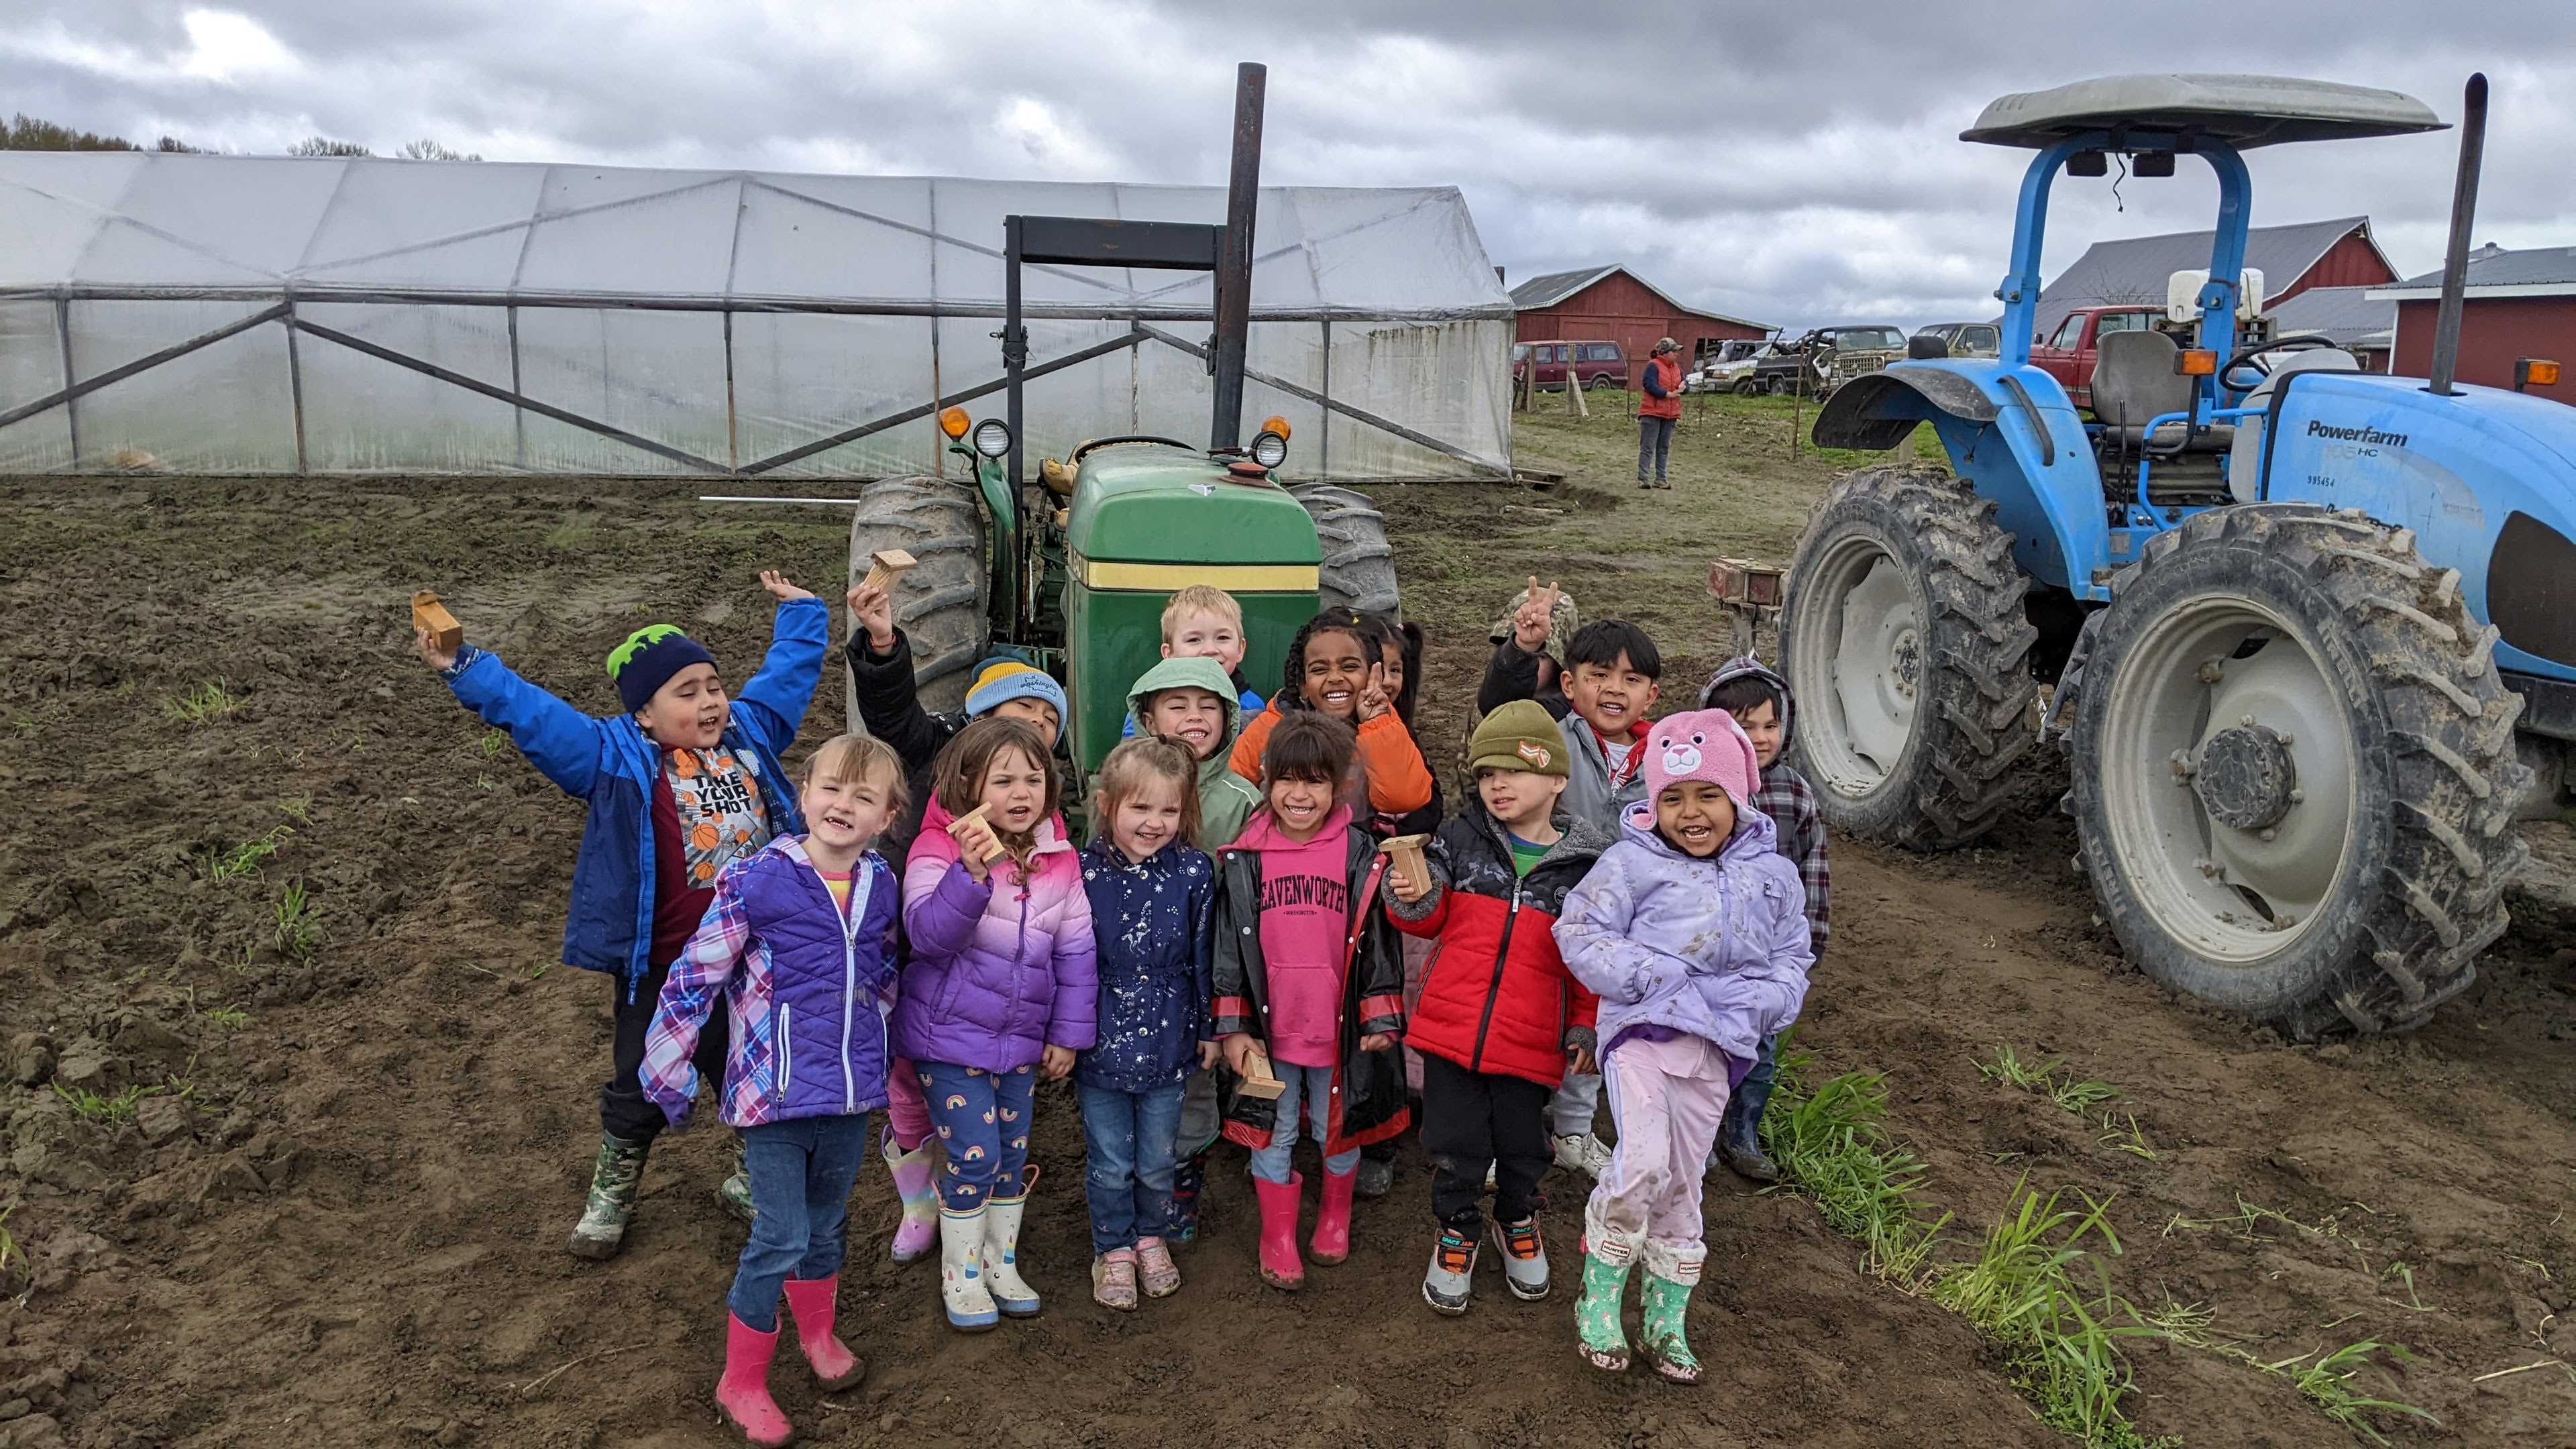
[
  {"x": 848, "y": 814},
  {"x": 1761, "y": 725},
  {"x": 688, "y": 712},
  {"x": 1336, "y": 671},
  {"x": 1610, "y": 697},
  {"x": 1695, "y": 816},
  {"x": 1301, "y": 805},
  {"x": 1206, "y": 636},
  {"x": 1195, "y": 717},
  {"x": 1147, "y": 820}
]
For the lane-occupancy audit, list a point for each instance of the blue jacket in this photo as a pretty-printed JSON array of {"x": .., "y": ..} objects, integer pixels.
[
  {"x": 1154, "y": 923},
  {"x": 611, "y": 765}
]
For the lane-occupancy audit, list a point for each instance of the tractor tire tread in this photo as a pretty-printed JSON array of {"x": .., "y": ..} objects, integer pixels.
[
  {"x": 941, "y": 604},
  {"x": 1358, "y": 569}
]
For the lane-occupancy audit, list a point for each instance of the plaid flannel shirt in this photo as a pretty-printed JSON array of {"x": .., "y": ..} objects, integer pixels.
[{"x": 1790, "y": 801}]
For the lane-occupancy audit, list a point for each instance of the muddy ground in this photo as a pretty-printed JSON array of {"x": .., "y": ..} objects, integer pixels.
[{"x": 321, "y": 1193}]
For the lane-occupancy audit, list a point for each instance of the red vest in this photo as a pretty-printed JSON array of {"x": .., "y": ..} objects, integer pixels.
[{"x": 1669, "y": 373}]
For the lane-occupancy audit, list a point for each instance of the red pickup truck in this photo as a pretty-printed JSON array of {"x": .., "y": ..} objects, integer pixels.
[{"x": 2071, "y": 351}]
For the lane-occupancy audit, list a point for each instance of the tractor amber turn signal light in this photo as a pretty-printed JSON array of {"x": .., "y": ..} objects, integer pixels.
[
  {"x": 1279, "y": 425},
  {"x": 2534, "y": 372},
  {"x": 2196, "y": 362},
  {"x": 952, "y": 421}
]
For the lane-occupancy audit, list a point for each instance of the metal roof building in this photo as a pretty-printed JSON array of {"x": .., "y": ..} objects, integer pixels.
[
  {"x": 1612, "y": 303},
  {"x": 2336, "y": 253},
  {"x": 2517, "y": 304},
  {"x": 2366, "y": 328},
  {"x": 286, "y": 315}
]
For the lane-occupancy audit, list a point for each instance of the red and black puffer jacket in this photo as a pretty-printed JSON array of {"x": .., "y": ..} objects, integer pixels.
[{"x": 1496, "y": 996}]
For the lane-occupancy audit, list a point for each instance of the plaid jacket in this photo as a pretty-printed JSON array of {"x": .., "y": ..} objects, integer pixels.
[{"x": 1790, "y": 801}]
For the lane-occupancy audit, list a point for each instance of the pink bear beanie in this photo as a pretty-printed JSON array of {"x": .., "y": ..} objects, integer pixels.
[{"x": 1706, "y": 745}]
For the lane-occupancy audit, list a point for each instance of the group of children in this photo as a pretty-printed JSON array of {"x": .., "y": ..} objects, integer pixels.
[{"x": 910, "y": 927}]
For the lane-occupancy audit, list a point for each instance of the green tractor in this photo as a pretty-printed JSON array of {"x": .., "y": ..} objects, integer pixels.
[{"x": 1070, "y": 569}]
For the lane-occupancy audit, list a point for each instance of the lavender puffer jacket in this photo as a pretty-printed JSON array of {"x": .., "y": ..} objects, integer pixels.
[
  {"x": 999, "y": 971},
  {"x": 1716, "y": 948}
]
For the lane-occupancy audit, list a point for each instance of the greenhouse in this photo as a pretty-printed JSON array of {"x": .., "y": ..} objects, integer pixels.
[{"x": 213, "y": 314}]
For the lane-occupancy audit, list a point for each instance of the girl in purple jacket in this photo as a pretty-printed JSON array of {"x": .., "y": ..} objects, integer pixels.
[
  {"x": 800, "y": 942},
  {"x": 1001, "y": 986},
  {"x": 1693, "y": 931}
]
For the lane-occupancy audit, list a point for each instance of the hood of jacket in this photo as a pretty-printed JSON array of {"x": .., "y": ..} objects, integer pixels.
[
  {"x": 1176, "y": 673},
  {"x": 1746, "y": 666}
]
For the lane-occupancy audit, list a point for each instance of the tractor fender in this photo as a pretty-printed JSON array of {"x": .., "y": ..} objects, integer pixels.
[{"x": 2009, "y": 431}]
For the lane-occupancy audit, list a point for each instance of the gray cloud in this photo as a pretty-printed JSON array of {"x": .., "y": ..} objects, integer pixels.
[{"x": 1790, "y": 163}]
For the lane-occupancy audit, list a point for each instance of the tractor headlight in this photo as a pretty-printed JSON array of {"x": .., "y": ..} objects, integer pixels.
[
  {"x": 992, "y": 437},
  {"x": 1269, "y": 449}
]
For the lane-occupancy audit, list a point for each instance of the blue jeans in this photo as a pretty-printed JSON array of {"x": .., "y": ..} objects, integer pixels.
[
  {"x": 1311, "y": 1088},
  {"x": 801, "y": 1173},
  {"x": 1127, "y": 1173},
  {"x": 1654, "y": 444},
  {"x": 983, "y": 1123}
]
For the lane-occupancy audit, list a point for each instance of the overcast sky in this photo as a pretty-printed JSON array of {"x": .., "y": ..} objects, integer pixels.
[{"x": 1792, "y": 163}]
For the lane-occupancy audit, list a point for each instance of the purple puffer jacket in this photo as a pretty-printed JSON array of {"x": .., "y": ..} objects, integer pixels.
[
  {"x": 999, "y": 971},
  {"x": 1716, "y": 948}
]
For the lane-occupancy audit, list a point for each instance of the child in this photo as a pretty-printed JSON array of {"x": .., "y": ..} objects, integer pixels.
[
  {"x": 1306, "y": 973},
  {"x": 1609, "y": 686},
  {"x": 1150, "y": 893},
  {"x": 1692, "y": 932},
  {"x": 1206, "y": 623},
  {"x": 1001, "y": 983},
  {"x": 681, "y": 785},
  {"x": 1760, "y": 702},
  {"x": 1335, "y": 667},
  {"x": 1400, "y": 648},
  {"x": 1500, "y": 1022},
  {"x": 800, "y": 941}
]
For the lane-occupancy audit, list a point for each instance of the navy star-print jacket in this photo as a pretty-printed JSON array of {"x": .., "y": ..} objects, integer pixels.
[{"x": 1153, "y": 923}]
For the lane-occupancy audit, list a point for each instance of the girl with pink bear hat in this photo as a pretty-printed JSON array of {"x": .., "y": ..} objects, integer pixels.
[{"x": 1693, "y": 931}]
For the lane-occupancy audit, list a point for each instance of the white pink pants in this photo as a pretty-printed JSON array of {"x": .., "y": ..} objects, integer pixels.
[{"x": 1668, "y": 1098}]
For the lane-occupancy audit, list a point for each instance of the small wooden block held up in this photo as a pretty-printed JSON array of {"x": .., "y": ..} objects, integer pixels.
[
  {"x": 428, "y": 613},
  {"x": 1257, "y": 1080},
  {"x": 887, "y": 565},
  {"x": 976, "y": 815},
  {"x": 1406, "y": 852}
]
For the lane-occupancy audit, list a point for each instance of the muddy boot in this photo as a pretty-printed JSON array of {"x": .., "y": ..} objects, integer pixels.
[
  {"x": 1604, "y": 1342},
  {"x": 814, "y": 1303},
  {"x": 919, "y": 1231},
  {"x": 1664, "y": 1337},
  {"x": 735, "y": 1191},
  {"x": 961, "y": 1272},
  {"x": 1332, "y": 1241},
  {"x": 1013, "y": 1296},
  {"x": 1280, "y": 1266},
  {"x": 1739, "y": 1136},
  {"x": 1113, "y": 1279},
  {"x": 614, "y": 1179},
  {"x": 1524, "y": 1259},
  {"x": 1189, "y": 1179},
  {"x": 742, "y": 1395},
  {"x": 1377, "y": 1170},
  {"x": 1446, "y": 1284}
]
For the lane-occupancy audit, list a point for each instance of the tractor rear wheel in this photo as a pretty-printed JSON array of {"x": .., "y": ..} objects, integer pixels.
[
  {"x": 1906, "y": 647},
  {"x": 2294, "y": 777},
  {"x": 1359, "y": 564},
  {"x": 941, "y": 604}
]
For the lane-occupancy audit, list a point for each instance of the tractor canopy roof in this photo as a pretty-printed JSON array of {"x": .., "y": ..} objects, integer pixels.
[{"x": 2242, "y": 110}]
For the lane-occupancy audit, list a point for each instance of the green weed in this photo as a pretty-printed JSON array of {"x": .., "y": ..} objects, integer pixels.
[
  {"x": 298, "y": 808},
  {"x": 494, "y": 742},
  {"x": 104, "y": 1111},
  {"x": 1834, "y": 1151},
  {"x": 2329, "y": 1381},
  {"x": 230, "y": 1018},
  {"x": 2120, "y": 1133},
  {"x": 243, "y": 859},
  {"x": 241, "y": 961},
  {"x": 298, "y": 933},
  {"x": 2048, "y": 1080},
  {"x": 201, "y": 704}
]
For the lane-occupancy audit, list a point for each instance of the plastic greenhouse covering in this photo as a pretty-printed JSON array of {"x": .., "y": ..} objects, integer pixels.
[{"x": 210, "y": 314}]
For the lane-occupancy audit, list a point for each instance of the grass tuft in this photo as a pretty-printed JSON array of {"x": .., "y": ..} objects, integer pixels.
[
  {"x": 299, "y": 934},
  {"x": 1834, "y": 1150},
  {"x": 2327, "y": 1381},
  {"x": 2050, "y": 1080},
  {"x": 105, "y": 1111},
  {"x": 230, "y": 1018},
  {"x": 202, "y": 704},
  {"x": 243, "y": 859}
]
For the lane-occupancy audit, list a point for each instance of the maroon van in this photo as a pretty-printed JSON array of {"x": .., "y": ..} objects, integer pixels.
[{"x": 1598, "y": 364}]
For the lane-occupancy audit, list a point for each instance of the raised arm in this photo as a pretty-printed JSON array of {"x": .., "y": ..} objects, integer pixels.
[
  {"x": 771, "y": 704},
  {"x": 1398, "y": 780},
  {"x": 562, "y": 742}
]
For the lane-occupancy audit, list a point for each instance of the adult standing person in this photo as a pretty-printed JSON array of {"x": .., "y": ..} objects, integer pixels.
[{"x": 1659, "y": 412}]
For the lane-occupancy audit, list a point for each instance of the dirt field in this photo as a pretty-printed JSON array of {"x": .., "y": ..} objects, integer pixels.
[{"x": 335, "y": 1213}]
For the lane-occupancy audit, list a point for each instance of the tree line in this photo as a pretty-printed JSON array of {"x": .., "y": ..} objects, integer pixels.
[{"x": 23, "y": 132}]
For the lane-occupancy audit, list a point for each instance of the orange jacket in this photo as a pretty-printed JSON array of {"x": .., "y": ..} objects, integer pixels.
[
  {"x": 1669, "y": 373},
  {"x": 1398, "y": 781}
]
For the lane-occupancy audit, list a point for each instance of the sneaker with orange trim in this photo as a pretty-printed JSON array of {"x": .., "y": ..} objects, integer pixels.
[
  {"x": 1453, "y": 1272},
  {"x": 1524, "y": 1259}
]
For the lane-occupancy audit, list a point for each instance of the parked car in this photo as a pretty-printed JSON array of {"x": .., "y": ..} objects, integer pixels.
[
  {"x": 1827, "y": 357},
  {"x": 1967, "y": 339},
  {"x": 1729, "y": 368},
  {"x": 1598, "y": 364},
  {"x": 2070, "y": 352}
]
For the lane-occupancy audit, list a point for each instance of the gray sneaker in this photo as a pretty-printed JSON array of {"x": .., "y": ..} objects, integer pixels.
[
  {"x": 1452, "y": 1274},
  {"x": 1584, "y": 1153},
  {"x": 1524, "y": 1259}
]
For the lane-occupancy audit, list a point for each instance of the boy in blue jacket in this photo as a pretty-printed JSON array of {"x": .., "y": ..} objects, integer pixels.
[{"x": 681, "y": 785}]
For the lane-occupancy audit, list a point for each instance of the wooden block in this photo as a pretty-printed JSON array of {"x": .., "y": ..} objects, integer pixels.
[
  {"x": 887, "y": 565},
  {"x": 1257, "y": 1080},
  {"x": 977, "y": 815},
  {"x": 428, "y": 613},
  {"x": 1406, "y": 852}
]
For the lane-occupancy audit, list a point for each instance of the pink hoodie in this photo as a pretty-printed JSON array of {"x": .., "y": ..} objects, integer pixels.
[{"x": 1305, "y": 920}]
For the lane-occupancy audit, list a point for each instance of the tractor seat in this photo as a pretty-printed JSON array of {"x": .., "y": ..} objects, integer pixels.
[{"x": 2134, "y": 380}]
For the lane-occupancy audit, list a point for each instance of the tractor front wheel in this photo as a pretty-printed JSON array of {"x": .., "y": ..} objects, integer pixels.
[
  {"x": 1907, "y": 650},
  {"x": 2293, "y": 770},
  {"x": 1359, "y": 564},
  {"x": 941, "y": 603}
]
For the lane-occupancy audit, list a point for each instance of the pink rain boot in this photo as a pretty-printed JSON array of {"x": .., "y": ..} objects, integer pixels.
[
  {"x": 742, "y": 1395},
  {"x": 1332, "y": 1241},
  {"x": 1279, "y": 1265},
  {"x": 813, "y": 1304},
  {"x": 919, "y": 1231}
]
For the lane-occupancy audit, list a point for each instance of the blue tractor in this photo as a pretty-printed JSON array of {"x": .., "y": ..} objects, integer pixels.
[{"x": 2310, "y": 629}]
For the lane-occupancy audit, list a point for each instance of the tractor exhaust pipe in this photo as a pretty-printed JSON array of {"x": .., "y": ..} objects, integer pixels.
[
  {"x": 2455, "y": 265},
  {"x": 1234, "y": 259}
]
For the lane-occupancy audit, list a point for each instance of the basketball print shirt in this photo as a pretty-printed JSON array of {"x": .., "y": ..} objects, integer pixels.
[{"x": 707, "y": 811}]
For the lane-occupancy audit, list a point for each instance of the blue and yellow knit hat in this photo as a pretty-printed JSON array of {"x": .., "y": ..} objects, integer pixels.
[
  {"x": 648, "y": 659},
  {"x": 999, "y": 681}
]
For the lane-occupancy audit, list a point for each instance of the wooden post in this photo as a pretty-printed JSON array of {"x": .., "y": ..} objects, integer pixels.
[{"x": 1574, "y": 384}]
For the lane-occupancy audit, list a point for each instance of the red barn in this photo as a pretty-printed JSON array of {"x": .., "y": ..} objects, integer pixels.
[
  {"x": 1616, "y": 305},
  {"x": 2292, "y": 259},
  {"x": 2518, "y": 304}
]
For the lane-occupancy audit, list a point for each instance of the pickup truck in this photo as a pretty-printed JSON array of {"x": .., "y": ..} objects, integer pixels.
[
  {"x": 2071, "y": 351},
  {"x": 1825, "y": 358}
]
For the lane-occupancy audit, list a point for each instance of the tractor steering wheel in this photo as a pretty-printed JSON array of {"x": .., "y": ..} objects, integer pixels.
[{"x": 2253, "y": 357}]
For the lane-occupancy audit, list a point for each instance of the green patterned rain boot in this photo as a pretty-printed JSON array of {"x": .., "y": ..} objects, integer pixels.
[
  {"x": 614, "y": 1180},
  {"x": 735, "y": 1191},
  {"x": 1596, "y": 1313},
  {"x": 1671, "y": 1275}
]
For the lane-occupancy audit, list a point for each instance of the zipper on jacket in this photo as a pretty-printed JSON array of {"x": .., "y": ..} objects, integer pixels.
[
  {"x": 1494, "y": 988},
  {"x": 860, "y": 880},
  {"x": 786, "y": 1049}
]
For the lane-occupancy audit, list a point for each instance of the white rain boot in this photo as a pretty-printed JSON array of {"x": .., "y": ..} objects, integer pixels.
[
  {"x": 1001, "y": 1258},
  {"x": 962, "y": 1288}
]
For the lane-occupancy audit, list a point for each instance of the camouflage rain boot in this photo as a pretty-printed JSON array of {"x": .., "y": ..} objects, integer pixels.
[
  {"x": 1604, "y": 1342},
  {"x": 1664, "y": 1339},
  {"x": 1189, "y": 1179},
  {"x": 614, "y": 1180},
  {"x": 735, "y": 1191}
]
